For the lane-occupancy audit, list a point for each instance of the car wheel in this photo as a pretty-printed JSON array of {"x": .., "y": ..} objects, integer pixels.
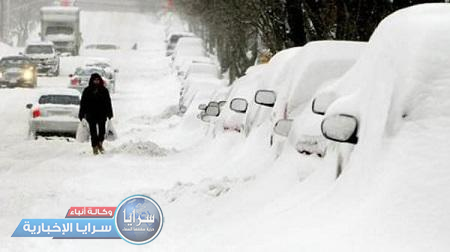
[{"x": 32, "y": 135}]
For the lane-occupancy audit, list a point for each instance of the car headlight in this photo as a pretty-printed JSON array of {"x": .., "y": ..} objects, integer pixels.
[{"x": 28, "y": 74}]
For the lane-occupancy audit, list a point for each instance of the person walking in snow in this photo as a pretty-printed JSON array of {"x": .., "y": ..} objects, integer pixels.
[{"x": 95, "y": 107}]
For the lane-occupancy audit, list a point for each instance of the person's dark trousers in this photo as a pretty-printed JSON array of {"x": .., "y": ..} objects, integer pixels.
[{"x": 97, "y": 136}]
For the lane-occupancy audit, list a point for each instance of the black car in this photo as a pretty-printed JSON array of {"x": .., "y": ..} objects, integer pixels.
[{"x": 17, "y": 71}]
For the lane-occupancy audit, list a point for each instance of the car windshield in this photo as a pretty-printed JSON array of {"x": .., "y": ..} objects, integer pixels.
[
  {"x": 39, "y": 49},
  {"x": 54, "y": 30},
  {"x": 59, "y": 99},
  {"x": 99, "y": 64},
  {"x": 89, "y": 71},
  {"x": 13, "y": 62}
]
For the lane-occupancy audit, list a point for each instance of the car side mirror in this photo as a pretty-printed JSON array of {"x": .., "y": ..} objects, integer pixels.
[
  {"x": 202, "y": 106},
  {"x": 221, "y": 103},
  {"x": 283, "y": 127},
  {"x": 340, "y": 128},
  {"x": 70, "y": 75},
  {"x": 29, "y": 106},
  {"x": 116, "y": 70},
  {"x": 20, "y": 53},
  {"x": 321, "y": 103},
  {"x": 265, "y": 98},
  {"x": 239, "y": 105},
  {"x": 212, "y": 110}
]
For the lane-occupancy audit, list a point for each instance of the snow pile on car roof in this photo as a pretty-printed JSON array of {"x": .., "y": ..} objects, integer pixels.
[{"x": 393, "y": 194}]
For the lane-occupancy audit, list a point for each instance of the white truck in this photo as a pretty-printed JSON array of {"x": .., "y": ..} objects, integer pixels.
[{"x": 61, "y": 25}]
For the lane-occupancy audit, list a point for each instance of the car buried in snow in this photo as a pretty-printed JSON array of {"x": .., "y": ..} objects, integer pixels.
[
  {"x": 332, "y": 59},
  {"x": 172, "y": 40},
  {"x": 402, "y": 102},
  {"x": 54, "y": 112},
  {"x": 17, "y": 71}
]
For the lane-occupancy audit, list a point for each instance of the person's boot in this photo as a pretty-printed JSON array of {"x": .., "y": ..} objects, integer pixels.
[
  {"x": 100, "y": 147},
  {"x": 95, "y": 150}
]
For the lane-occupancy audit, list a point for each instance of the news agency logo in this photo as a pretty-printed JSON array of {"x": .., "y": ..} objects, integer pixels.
[{"x": 138, "y": 219}]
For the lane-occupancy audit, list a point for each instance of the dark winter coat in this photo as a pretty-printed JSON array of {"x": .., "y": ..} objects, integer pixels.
[{"x": 95, "y": 102}]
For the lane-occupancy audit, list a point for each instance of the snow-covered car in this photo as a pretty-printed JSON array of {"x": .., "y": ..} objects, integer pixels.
[
  {"x": 80, "y": 79},
  {"x": 187, "y": 49},
  {"x": 196, "y": 86},
  {"x": 318, "y": 65},
  {"x": 54, "y": 112},
  {"x": 102, "y": 47},
  {"x": 233, "y": 112},
  {"x": 183, "y": 69},
  {"x": 43, "y": 54},
  {"x": 269, "y": 83},
  {"x": 200, "y": 70},
  {"x": 105, "y": 64},
  {"x": 400, "y": 114},
  {"x": 172, "y": 40},
  {"x": 17, "y": 71}
]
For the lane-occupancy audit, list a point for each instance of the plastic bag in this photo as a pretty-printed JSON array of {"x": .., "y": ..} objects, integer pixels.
[
  {"x": 111, "y": 133},
  {"x": 83, "y": 133}
]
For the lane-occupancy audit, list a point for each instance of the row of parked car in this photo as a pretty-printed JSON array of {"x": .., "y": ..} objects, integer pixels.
[
  {"x": 321, "y": 97},
  {"x": 198, "y": 72}
]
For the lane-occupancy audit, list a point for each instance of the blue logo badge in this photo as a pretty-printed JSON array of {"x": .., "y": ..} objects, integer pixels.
[{"x": 138, "y": 219}]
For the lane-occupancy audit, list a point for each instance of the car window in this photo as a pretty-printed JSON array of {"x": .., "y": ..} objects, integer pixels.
[
  {"x": 13, "y": 62},
  {"x": 39, "y": 49},
  {"x": 59, "y": 99},
  {"x": 54, "y": 30},
  {"x": 89, "y": 71}
]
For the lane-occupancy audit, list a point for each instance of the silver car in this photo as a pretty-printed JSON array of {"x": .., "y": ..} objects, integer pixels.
[
  {"x": 54, "y": 112},
  {"x": 80, "y": 79}
]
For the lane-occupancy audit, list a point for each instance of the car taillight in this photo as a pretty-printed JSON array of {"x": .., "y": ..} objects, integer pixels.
[
  {"x": 75, "y": 82},
  {"x": 36, "y": 113}
]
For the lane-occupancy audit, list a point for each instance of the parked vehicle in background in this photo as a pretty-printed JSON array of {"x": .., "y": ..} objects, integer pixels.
[
  {"x": 54, "y": 112},
  {"x": 200, "y": 70},
  {"x": 172, "y": 41},
  {"x": 18, "y": 71},
  {"x": 194, "y": 87},
  {"x": 44, "y": 56},
  {"x": 102, "y": 47},
  {"x": 80, "y": 79},
  {"x": 110, "y": 72},
  {"x": 182, "y": 71},
  {"x": 61, "y": 25},
  {"x": 187, "y": 49}
]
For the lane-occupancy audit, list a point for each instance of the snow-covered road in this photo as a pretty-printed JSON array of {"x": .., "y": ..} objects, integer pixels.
[{"x": 157, "y": 154}]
